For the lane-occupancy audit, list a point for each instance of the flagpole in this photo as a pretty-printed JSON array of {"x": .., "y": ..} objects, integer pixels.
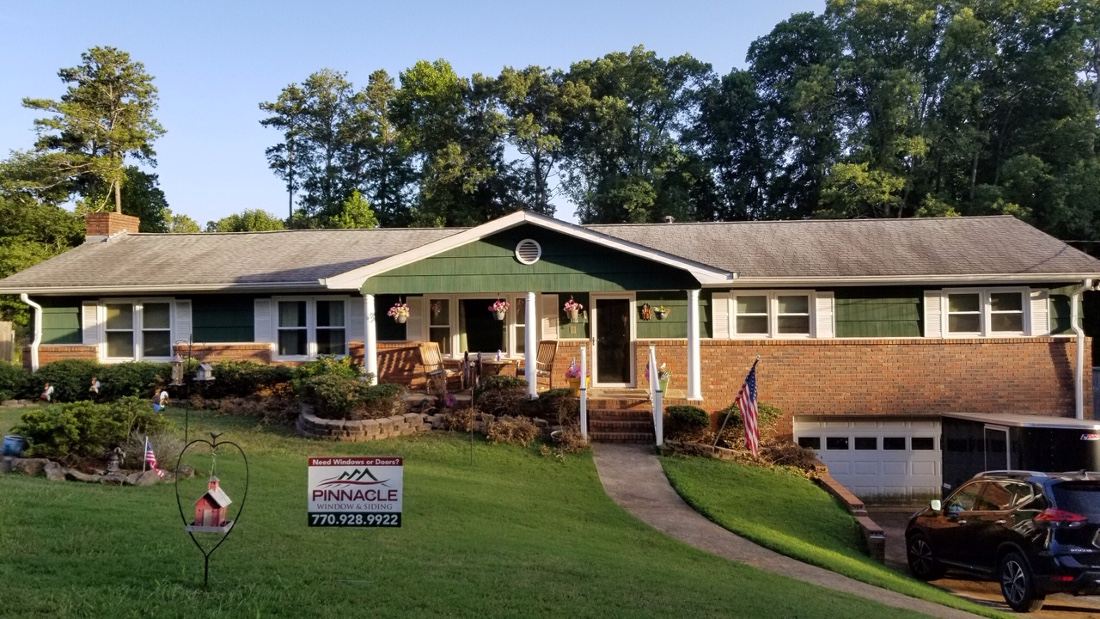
[
  {"x": 143, "y": 454},
  {"x": 724, "y": 421}
]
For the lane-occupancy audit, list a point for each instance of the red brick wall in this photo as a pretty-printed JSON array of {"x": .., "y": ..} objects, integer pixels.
[
  {"x": 106, "y": 224},
  {"x": 212, "y": 353},
  {"x": 58, "y": 352},
  {"x": 888, "y": 377}
]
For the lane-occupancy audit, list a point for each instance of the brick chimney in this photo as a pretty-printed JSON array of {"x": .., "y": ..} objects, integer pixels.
[{"x": 103, "y": 225}]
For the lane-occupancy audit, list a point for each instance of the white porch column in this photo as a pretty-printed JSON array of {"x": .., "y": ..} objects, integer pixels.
[
  {"x": 531, "y": 345},
  {"x": 370, "y": 339},
  {"x": 695, "y": 376}
]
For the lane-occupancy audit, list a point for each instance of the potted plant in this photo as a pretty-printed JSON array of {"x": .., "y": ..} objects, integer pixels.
[
  {"x": 499, "y": 308},
  {"x": 573, "y": 375},
  {"x": 399, "y": 312},
  {"x": 664, "y": 374},
  {"x": 572, "y": 309},
  {"x": 661, "y": 312}
]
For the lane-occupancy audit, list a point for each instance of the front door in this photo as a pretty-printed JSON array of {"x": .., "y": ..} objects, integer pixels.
[{"x": 614, "y": 358}]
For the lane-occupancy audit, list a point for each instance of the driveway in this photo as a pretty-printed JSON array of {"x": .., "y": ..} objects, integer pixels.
[{"x": 1059, "y": 606}]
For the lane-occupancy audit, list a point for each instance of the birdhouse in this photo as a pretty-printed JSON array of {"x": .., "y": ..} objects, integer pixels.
[
  {"x": 211, "y": 510},
  {"x": 205, "y": 372}
]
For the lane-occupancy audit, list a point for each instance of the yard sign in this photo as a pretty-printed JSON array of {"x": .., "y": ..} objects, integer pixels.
[{"x": 355, "y": 492}]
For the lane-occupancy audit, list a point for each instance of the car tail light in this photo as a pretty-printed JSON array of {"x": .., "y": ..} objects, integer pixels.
[
  {"x": 1062, "y": 578},
  {"x": 1059, "y": 515}
]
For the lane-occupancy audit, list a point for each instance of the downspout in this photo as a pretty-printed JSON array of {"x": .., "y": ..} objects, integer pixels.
[
  {"x": 37, "y": 329},
  {"x": 1079, "y": 373}
]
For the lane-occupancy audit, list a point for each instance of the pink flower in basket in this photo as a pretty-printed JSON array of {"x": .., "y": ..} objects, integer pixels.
[
  {"x": 571, "y": 306},
  {"x": 574, "y": 370},
  {"x": 500, "y": 305}
]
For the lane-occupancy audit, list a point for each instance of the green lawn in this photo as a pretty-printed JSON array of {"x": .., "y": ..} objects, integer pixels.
[
  {"x": 510, "y": 533},
  {"x": 793, "y": 516}
]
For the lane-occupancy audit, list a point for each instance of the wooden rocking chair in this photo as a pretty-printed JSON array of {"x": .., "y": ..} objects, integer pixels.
[
  {"x": 544, "y": 363},
  {"x": 436, "y": 374}
]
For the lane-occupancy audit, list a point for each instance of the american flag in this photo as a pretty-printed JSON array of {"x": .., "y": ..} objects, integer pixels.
[
  {"x": 151, "y": 458},
  {"x": 746, "y": 401}
]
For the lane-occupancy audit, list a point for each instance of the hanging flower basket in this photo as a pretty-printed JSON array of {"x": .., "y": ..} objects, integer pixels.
[
  {"x": 661, "y": 312},
  {"x": 499, "y": 308},
  {"x": 399, "y": 312},
  {"x": 572, "y": 309}
]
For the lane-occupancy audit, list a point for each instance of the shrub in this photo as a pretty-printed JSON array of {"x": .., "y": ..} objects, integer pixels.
[
  {"x": 338, "y": 397},
  {"x": 138, "y": 378},
  {"x": 326, "y": 364},
  {"x": 86, "y": 429},
  {"x": 559, "y": 406},
  {"x": 767, "y": 420},
  {"x": 461, "y": 420},
  {"x": 70, "y": 379},
  {"x": 686, "y": 422},
  {"x": 14, "y": 381},
  {"x": 512, "y": 430},
  {"x": 502, "y": 395},
  {"x": 244, "y": 378}
]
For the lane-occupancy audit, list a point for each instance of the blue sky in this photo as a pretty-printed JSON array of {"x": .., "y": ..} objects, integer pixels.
[{"x": 214, "y": 62}]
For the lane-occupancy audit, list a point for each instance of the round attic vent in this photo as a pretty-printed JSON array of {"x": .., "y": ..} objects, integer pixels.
[{"x": 528, "y": 251}]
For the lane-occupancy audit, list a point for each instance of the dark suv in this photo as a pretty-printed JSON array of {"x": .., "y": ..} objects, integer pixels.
[{"x": 1036, "y": 533}]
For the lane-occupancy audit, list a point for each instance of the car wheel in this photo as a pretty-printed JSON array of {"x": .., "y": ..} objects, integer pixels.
[
  {"x": 922, "y": 561},
  {"x": 1017, "y": 585}
]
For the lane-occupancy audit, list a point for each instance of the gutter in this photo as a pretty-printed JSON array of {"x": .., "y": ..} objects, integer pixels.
[
  {"x": 37, "y": 329},
  {"x": 1079, "y": 372}
]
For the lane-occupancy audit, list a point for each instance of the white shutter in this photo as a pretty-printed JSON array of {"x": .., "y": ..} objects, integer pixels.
[
  {"x": 548, "y": 317},
  {"x": 357, "y": 326},
  {"x": 720, "y": 315},
  {"x": 89, "y": 323},
  {"x": 824, "y": 315},
  {"x": 933, "y": 313},
  {"x": 182, "y": 329},
  {"x": 264, "y": 321},
  {"x": 414, "y": 326},
  {"x": 1040, "y": 312}
]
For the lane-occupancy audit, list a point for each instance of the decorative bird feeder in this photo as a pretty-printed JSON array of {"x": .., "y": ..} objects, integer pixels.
[
  {"x": 210, "y": 510},
  {"x": 205, "y": 372}
]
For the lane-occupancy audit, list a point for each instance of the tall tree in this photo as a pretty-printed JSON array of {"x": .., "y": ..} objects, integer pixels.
[
  {"x": 388, "y": 175},
  {"x": 181, "y": 224},
  {"x": 626, "y": 115},
  {"x": 105, "y": 116},
  {"x": 533, "y": 121}
]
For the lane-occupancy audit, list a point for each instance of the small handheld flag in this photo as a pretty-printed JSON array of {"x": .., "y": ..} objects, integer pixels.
[
  {"x": 746, "y": 401},
  {"x": 151, "y": 458}
]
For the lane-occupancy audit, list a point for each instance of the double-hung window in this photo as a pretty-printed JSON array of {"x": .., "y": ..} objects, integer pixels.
[
  {"x": 138, "y": 330},
  {"x": 985, "y": 312},
  {"x": 308, "y": 327},
  {"x": 772, "y": 314}
]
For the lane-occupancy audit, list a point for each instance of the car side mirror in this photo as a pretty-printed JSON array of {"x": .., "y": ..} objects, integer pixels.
[{"x": 935, "y": 505}]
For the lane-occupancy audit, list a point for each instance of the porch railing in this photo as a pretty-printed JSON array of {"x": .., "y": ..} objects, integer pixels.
[{"x": 657, "y": 396}]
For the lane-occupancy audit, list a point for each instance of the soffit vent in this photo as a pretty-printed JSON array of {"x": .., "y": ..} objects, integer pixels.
[{"x": 528, "y": 251}]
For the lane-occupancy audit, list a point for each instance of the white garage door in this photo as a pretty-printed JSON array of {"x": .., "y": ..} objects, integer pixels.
[{"x": 877, "y": 458}]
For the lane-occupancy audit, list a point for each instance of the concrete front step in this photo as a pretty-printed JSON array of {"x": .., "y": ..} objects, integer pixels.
[
  {"x": 621, "y": 425},
  {"x": 623, "y": 437}
]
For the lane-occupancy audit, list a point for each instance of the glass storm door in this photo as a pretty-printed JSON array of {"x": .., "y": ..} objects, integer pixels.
[
  {"x": 612, "y": 341},
  {"x": 996, "y": 449}
]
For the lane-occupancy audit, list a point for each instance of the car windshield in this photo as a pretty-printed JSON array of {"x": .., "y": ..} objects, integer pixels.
[{"x": 1079, "y": 497}]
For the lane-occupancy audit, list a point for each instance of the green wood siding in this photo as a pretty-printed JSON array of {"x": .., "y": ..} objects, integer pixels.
[
  {"x": 1060, "y": 309},
  {"x": 567, "y": 263},
  {"x": 675, "y": 325},
  {"x": 878, "y": 312},
  {"x": 60, "y": 321},
  {"x": 574, "y": 330},
  {"x": 222, "y": 318}
]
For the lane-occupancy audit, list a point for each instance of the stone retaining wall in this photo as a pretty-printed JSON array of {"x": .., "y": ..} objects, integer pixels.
[{"x": 312, "y": 426}]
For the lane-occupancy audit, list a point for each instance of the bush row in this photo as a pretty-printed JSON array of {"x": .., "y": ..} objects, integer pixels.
[{"x": 72, "y": 378}]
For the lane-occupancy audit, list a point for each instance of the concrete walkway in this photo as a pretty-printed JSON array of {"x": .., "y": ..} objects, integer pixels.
[{"x": 632, "y": 476}]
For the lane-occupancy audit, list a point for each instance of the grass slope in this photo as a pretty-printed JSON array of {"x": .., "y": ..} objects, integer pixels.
[
  {"x": 506, "y": 533},
  {"x": 791, "y": 515}
]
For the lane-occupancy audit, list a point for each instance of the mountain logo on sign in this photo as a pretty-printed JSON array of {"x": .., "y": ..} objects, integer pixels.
[{"x": 354, "y": 478}]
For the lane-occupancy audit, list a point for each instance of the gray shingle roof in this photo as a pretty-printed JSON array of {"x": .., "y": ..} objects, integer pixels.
[
  {"x": 901, "y": 248},
  {"x": 991, "y": 247},
  {"x": 280, "y": 259}
]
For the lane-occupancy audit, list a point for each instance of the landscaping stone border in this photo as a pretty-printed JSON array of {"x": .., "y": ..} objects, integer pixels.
[
  {"x": 42, "y": 467},
  {"x": 312, "y": 426},
  {"x": 872, "y": 533}
]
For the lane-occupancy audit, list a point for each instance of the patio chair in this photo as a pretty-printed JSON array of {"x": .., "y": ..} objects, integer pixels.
[
  {"x": 544, "y": 363},
  {"x": 436, "y": 375}
]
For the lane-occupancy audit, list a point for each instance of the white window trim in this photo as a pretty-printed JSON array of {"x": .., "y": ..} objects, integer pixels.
[
  {"x": 985, "y": 312},
  {"x": 311, "y": 326},
  {"x": 137, "y": 328},
  {"x": 511, "y": 319},
  {"x": 773, "y": 314}
]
